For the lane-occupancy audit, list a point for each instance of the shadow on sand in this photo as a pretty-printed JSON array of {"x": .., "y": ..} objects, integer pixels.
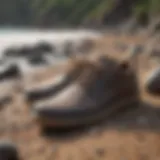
[{"x": 144, "y": 117}]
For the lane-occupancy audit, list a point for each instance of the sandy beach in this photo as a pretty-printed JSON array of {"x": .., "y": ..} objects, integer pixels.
[{"x": 129, "y": 135}]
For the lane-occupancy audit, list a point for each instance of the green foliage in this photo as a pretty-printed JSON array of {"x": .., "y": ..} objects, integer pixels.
[
  {"x": 15, "y": 12},
  {"x": 151, "y": 7},
  {"x": 65, "y": 11}
]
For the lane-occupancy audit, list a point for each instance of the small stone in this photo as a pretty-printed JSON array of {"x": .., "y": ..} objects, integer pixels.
[
  {"x": 152, "y": 84},
  {"x": 44, "y": 46}
]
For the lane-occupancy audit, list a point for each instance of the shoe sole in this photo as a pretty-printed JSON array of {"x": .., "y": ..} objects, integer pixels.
[{"x": 81, "y": 116}]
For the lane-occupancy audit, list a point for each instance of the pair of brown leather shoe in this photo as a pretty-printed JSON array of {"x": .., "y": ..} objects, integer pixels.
[{"x": 97, "y": 90}]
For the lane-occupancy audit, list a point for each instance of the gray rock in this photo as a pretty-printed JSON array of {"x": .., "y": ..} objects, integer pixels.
[
  {"x": 44, "y": 47},
  {"x": 37, "y": 60},
  {"x": 11, "y": 52},
  {"x": 153, "y": 82},
  {"x": 11, "y": 71},
  {"x": 27, "y": 51}
]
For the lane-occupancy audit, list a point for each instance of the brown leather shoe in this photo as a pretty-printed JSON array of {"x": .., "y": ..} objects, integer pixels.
[{"x": 101, "y": 90}]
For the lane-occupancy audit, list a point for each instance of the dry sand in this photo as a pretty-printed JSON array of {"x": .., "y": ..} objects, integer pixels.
[{"x": 130, "y": 135}]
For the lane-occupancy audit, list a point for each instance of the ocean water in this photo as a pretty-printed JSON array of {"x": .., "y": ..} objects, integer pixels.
[{"x": 20, "y": 36}]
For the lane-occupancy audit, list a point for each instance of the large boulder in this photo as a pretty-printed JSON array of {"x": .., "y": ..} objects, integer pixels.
[
  {"x": 11, "y": 52},
  {"x": 38, "y": 60}
]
